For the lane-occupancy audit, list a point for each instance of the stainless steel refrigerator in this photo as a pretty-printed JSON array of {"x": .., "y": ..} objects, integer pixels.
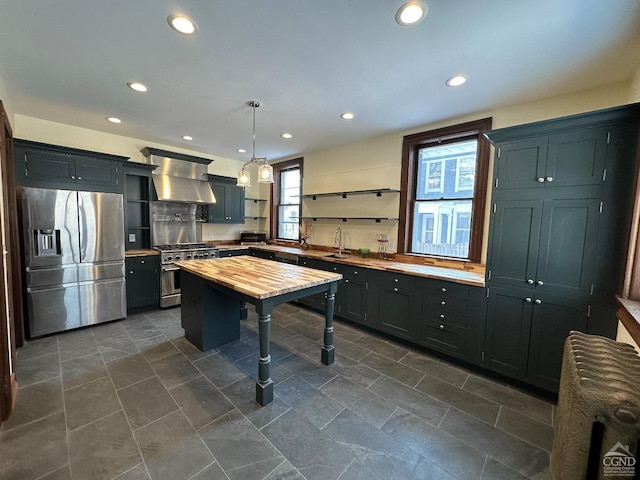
[{"x": 74, "y": 258}]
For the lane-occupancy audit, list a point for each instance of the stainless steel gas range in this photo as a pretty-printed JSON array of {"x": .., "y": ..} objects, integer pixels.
[{"x": 170, "y": 276}]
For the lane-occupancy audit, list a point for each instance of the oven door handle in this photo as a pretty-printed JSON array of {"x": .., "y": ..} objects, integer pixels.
[{"x": 170, "y": 269}]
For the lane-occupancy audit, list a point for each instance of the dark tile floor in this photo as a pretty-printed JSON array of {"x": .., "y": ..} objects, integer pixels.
[{"x": 134, "y": 400}]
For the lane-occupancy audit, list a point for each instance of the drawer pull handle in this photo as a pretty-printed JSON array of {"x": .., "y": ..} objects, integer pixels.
[
  {"x": 540, "y": 282},
  {"x": 346, "y": 281},
  {"x": 443, "y": 303},
  {"x": 396, "y": 280},
  {"x": 541, "y": 179},
  {"x": 395, "y": 289},
  {"x": 355, "y": 272},
  {"x": 538, "y": 301},
  {"x": 130, "y": 271},
  {"x": 442, "y": 316},
  {"x": 527, "y": 299},
  {"x": 141, "y": 261},
  {"x": 443, "y": 289},
  {"x": 530, "y": 281},
  {"x": 549, "y": 179},
  {"x": 441, "y": 327}
]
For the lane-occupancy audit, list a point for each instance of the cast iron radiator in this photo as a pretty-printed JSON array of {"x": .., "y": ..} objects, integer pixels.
[{"x": 598, "y": 415}]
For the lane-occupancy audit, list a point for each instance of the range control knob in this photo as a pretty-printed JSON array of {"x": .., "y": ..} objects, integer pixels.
[
  {"x": 188, "y": 256},
  {"x": 177, "y": 257},
  {"x": 205, "y": 255},
  {"x": 169, "y": 258}
]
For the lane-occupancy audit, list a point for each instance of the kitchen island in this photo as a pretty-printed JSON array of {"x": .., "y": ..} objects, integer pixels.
[{"x": 213, "y": 292}]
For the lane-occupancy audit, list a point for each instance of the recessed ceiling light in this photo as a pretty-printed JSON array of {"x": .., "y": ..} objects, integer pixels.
[
  {"x": 187, "y": 137},
  {"x": 348, "y": 115},
  {"x": 137, "y": 86},
  {"x": 286, "y": 135},
  {"x": 114, "y": 119},
  {"x": 457, "y": 80},
  {"x": 242, "y": 150},
  {"x": 411, "y": 13},
  {"x": 182, "y": 24}
]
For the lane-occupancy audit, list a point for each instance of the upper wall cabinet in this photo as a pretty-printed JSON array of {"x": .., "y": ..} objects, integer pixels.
[
  {"x": 568, "y": 159},
  {"x": 557, "y": 237},
  {"x": 229, "y": 206},
  {"x": 51, "y": 166}
]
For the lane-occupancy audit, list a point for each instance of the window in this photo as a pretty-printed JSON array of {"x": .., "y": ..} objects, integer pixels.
[
  {"x": 442, "y": 208},
  {"x": 285, "y": 200}
]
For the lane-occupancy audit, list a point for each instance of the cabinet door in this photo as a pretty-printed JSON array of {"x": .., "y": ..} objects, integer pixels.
[
  {"x": 91, "y": 171},
  {"x": 143, "y": 282},
  {"x": 515, "y": 233},
  {"x": 234, "y": 204},
  {"x": 50, "y": 167},
  {"x": 507, "y": 330},
  {"x": 351, "y": 296},
  {"x": 395, "y": 313},
  {"x": 568, "y": 238},
  {"x": 216, "y": 213},
  {"x": 554, "y": 316},
  {"x": 577, "y": 158},
  {"x": 521, "y": 164}
]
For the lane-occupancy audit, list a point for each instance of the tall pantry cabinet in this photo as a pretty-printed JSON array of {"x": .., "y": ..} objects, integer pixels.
[{"x": 561, "y": 200}]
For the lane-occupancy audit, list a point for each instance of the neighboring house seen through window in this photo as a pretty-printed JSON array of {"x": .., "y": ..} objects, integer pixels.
[{"x": 445, "y": 171}]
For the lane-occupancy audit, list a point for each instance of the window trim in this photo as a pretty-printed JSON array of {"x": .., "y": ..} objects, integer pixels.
[
  {"x": 274, "y": 216},
  {"x": 410, "y": 146}
]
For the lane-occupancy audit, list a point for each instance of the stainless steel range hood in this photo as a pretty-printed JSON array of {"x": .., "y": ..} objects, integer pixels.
[{"x": 180, "y": 178}]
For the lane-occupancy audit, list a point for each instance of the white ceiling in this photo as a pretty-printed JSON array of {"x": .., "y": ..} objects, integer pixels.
[{"x": 306, "y": 61}]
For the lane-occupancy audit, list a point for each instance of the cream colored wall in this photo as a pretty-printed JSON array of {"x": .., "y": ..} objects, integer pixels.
[
  {"x": 634, "y": 87},
  {"x": 376, "y": 163},
  {"x": 623, "y": 336},
  {"x": 38, "y": 130},
  {"x": 8, "y": 107}
]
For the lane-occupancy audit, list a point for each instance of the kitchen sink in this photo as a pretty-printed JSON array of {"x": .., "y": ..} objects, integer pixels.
[{"x": 338, "y": 255}]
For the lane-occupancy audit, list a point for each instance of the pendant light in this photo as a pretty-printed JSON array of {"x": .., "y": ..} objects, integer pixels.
[{"x": 265, "y": 170}]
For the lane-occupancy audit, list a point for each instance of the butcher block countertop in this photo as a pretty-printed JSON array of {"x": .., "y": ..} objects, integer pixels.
[
  {"x": 473, "y": 277},
  {"x": 140, "y": 252},
  {"x": 257, "y": 277}
]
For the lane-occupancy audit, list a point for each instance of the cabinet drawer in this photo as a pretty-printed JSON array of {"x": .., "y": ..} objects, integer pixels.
[
  {"x": 446, "y": 304},
  {"x": 447, "y": 338},
  {"x": 443, "y": 290},
  {"x": 443, "y": 317},
  {"x": 400, "y": 281},
  {"x": 141, "y": 263}
]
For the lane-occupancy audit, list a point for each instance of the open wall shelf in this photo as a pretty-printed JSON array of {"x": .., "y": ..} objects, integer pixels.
[
  {"x": 378, "y": 192},
  {"x": 344, "y": 219}
]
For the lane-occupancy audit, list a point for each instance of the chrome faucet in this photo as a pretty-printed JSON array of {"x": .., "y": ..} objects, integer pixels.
[{"x": 337, "y": 240}]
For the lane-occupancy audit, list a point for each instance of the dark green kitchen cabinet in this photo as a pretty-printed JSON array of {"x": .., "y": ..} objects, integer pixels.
[
  {"x": 52, "y": 166},
  {"x": 554, "y": 315},
  {"x": 351, "y": 297},
  {"x": 391, "y": 304},
  {"x": 549, "y": 244},
  {"x": 574, "y": 158},
  {"x": 525, "y": 333},
  {"x": 230, "y": 204},
  {"x": 449, "y": 317},
  {"x": 316, "y": 301},
  {"x": 143, "y": 282},
  {"x": 234, "y": 252},
  {"x": 138, "y": 193},
  {"x": 556, "y": 250}
]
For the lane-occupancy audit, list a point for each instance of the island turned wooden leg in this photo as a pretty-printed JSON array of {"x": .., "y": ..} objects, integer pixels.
[
  {"x": 328, "y": 351},
  {"x": 264, "y": 386}
]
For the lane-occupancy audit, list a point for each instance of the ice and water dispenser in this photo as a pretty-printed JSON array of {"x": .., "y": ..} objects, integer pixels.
[{"x": 47, "y": 242}]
